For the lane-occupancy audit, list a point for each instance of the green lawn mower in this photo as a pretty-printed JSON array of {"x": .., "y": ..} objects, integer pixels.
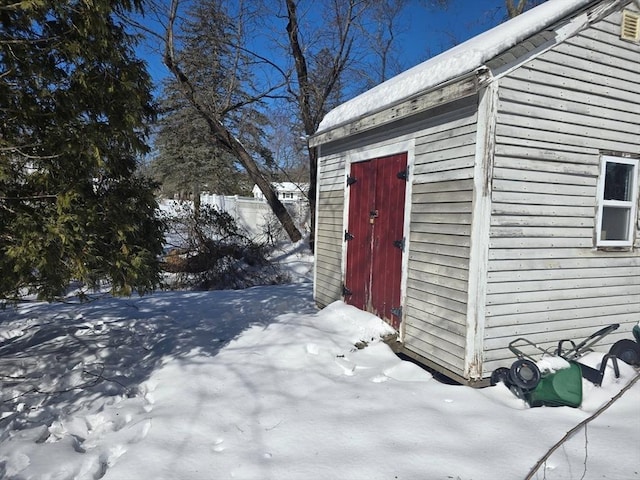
[{"x": 562, "y": 387}]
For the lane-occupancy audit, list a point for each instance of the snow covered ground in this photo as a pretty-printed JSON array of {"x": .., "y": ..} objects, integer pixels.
[{"x": 258, "y": 384}]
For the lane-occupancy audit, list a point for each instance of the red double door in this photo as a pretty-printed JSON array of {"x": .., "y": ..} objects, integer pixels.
[{"x": 374, "y": 237}]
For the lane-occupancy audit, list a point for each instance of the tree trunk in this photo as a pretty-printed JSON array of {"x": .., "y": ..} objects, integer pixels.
[
  {"x": 513, "y": 9},
  {"x": 223, "y": 135},
  {"x": 279, "y": 210},
  {"x": 311, "y": 112}
]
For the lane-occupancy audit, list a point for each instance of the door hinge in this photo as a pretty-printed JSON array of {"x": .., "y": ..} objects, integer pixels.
[
  {"x": 404, "y": 174},
  {"x": 397, "y": 312},
  {"x": 399, "y": 244},
  {"x": 348, "y": 236},
  {"x": 345, "y": 291},
  {"x": 351, "y": 180}
]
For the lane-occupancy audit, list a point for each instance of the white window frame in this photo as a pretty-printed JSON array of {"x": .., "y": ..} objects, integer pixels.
[{"x": 630, "y": 205}]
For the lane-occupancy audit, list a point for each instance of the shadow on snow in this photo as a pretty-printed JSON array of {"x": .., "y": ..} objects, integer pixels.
[{"x": 64, "y": 357}]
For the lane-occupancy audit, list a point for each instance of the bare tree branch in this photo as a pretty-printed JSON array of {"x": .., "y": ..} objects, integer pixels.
[{"x": 222, "y": 134}]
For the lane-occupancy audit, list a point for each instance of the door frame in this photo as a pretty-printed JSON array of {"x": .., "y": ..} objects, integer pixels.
[{"x": 404, "y": 144}]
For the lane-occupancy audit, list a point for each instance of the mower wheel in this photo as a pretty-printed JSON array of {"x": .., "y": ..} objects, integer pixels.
[
  {"x": 500, "y": 374},
  {"x": 626, "y": 350},
  {"x": 524, "y": 374}
]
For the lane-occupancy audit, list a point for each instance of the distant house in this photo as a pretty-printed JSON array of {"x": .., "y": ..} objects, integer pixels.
[
  {"x": 286, "y": 191},
  {"x": 492, "y": 191}
]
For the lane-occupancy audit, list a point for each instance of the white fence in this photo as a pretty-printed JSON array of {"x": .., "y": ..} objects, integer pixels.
[{"x": 255, "y": 216}]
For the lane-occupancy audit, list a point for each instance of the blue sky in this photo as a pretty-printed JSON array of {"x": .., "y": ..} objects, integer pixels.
[
  {"x": 434, "y": 30},
  {"x": 429, "y": 31}
]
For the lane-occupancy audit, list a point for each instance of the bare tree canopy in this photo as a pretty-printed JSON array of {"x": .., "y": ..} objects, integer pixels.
[{"x": 284, "y": 59}]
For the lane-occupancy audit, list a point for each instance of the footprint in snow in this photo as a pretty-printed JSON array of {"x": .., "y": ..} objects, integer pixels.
[
  {"x": 379, "y": 379},
  {"x": 312, "y": 349},
  {"x": 348, "y": 367},
  {"x": 218, "y": 445}
]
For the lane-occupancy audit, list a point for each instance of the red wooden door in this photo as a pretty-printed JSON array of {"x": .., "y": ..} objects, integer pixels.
[{"x": 375, "y": 236}]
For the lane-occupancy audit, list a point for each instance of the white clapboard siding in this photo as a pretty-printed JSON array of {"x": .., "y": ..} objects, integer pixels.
[
  {"x": 439, "y": 242},
  {"x": 329, "y": 229},
  {"x": 556, "y": 114}
]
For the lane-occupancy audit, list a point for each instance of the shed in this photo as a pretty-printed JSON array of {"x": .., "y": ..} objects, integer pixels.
[{"x": 492, "y": 191}]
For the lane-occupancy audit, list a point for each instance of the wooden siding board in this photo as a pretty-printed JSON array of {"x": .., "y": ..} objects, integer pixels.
[
  {"x": 442, "y": 166},
  {"x": 444, "y": 176},
  {"x": 560, "y": 151},
  {"x": 437, "y": 290},
  {"x": 554, "y": 276},
  {"x": 558, "y": 294},
  {"x": 547, "y": 199},
  {"x": 619, "y": 59},
  {"x": 607, "y": 127},
  {"x": 457, "y": 229},
  {"x": 571, "y": 80},
  {"x": 594, "y": 315},
  {"x": 445, "y": 130},
  {"x": 442, "y": 330},
  {"x": 440, "y": 277},
  {"x": 560, "y": 102},
  {"x": 548, "y": 267},
  {"x": 586, "y": 59},
  {"x": 524, "y": 209},
  {"x": 448, "y": 354},
  {"x": 453, "y": 240},
  {"x": 540, "y": 243},
  {"x": 329, "y": 253},
  {"x": 549, "y": 340},
  {"x": 554, "y": 173},
  {"x": 612, "y": 135},
  {"x": 559, "y": 137},
  {"x": 453, "y": 209},
  {"x": 444, "y": 186},
  {"x": 439, "y": 309},
  {"x": 541, "y": 221},
  {"x": 547, "y": 188},
  {"x": 425, "y": 250},
  {"x": 532, "y": 254},
  {"x": 571, "y": 328},
  {"x": 461, "y": 196},
  {"x": 421, "y": 270},
  {"x": 429, "y": 216},
  {"x": 429, "y": 146},
  {"x": 439, "y": 155},
  {"x": 434, "y": 262},
  {"x": 570, "y": 304},
  {"x": 563, "y": 283},
  {"x": 604, "y": 45}
]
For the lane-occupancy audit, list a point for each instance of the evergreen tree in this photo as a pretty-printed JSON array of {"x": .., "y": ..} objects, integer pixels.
[
  {"x": 74, "y": 102},
  {"x": 208, "y": 59},
  {"x": 190, "y": 157},
  {"x": 187, "y": 160}
]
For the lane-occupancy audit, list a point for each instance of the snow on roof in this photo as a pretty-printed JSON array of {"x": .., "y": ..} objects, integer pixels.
[{"x": 462, "y": 59}]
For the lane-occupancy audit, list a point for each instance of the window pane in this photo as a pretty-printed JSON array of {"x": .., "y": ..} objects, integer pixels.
[
  {"x": 615, "y": 223},
  {"x": 618, "y": 181}
]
